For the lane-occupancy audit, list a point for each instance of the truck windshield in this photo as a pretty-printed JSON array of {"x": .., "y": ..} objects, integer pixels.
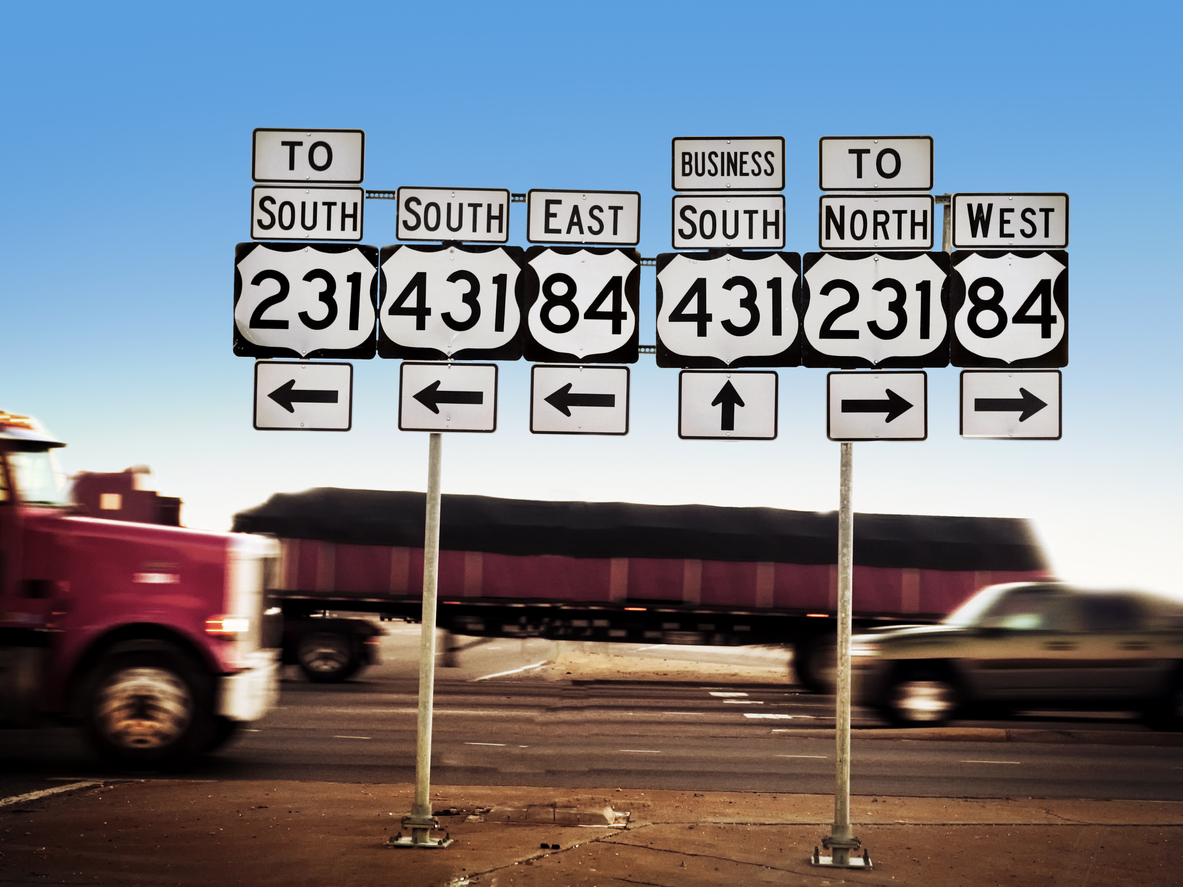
[{"x": 38, "y": 478}]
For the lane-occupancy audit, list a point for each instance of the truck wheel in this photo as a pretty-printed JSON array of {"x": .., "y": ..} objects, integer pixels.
[
  {"x": 815, "y": 662},
  {"x": 922, "y": 698},
  {"x": 326, "y": 657},
  {"x": 148, "y": 709}
]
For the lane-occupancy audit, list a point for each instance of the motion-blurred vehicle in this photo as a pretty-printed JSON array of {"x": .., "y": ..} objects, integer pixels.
[{"x": 1037, "y": 645}]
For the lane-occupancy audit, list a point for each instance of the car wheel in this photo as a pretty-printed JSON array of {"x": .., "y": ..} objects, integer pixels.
[
  {"x": 922, "y": 698},
  {"x": 326, "y": 657},
  {"x": 815, "y": 663},
  {"x": 148, "y": 709}
]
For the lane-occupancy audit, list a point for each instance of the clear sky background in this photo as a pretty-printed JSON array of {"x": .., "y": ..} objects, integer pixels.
[{"x": 126, "y": 146}]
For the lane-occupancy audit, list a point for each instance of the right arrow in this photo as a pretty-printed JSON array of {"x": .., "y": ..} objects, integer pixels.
[
  {"x": 728, "y": 398},
  {"x": 894, "y": 405},
  {"x": 431, "y": 396},
  {"x": 1026, "y": 403}
]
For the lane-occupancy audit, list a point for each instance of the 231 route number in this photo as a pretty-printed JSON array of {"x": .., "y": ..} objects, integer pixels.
[{"x": 297, "y": 300}]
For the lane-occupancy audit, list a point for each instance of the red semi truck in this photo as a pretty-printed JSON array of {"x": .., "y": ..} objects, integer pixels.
[
  {"x": 624, "y": 572},
  {"x": 152, "y": 638}
]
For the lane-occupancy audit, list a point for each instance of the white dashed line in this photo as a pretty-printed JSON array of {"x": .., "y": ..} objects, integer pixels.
[
  {"x": 990, "y": 762},
  {"x": 765, "y": 716},
  {"x": 818, "y": 757},
  {"x": 44, "y": 793},
  {"x": 353, "y": 737},
  {"x": 491, "y": 744},
  {"x": 726, "y": 693},
  {"x": 641, "y": 751},
  {"x": 502, "y": 674},
  {"x": 743, "y": 702}
]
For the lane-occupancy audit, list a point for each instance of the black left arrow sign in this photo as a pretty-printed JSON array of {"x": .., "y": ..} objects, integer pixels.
[
  {"x": 286, "y": 395},
  {"x": 892, "y": 404},
  {"x": 1027, "y": 404},
  {"x": 431, "y": 396},
  {"x": 563, "y": 399}
]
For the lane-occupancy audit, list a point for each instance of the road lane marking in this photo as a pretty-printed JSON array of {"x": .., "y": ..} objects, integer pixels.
[
  {"x": 44, "y": 793},
  {"x": 726, "y": 693},
  {"x": 766, "y": 716},
  {"x": 492, "y": 744},
  {"x": 819, "y": 757},
  {"x": 990, "y": 762},
  {"x": 502, "y": 674},
  {"x": 743, "y": 702},
  {"x": 353, "y": 737},
  {"x": 641, "y": 751}
]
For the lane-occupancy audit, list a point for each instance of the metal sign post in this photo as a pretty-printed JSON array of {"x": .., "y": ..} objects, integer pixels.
[
  {"x": 841, "y": 841},
  {"x": 421, "y": 822}
]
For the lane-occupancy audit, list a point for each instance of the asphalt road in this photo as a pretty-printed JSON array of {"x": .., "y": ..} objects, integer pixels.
[{"x": 497, "y": 722}]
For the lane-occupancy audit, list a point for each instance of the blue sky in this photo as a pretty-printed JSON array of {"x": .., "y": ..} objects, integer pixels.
[{"x": 126, "y": 143}]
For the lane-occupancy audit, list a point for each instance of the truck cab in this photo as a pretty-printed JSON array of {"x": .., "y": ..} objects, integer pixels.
[{"x": 153, "y": 639}]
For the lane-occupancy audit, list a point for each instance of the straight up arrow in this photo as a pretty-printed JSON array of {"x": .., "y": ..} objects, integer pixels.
[
  {"x": 286, "y": 395},
  {"x": 727, "y": 398},
  {"x": 893, "y": 405},
  {"x": 431, "y": 396},
  {"x": 562, "y": 400},
  {"x": 1026, "y": 403}
]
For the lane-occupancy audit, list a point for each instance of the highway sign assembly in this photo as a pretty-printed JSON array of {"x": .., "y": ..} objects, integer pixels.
[
  {"x": 447, "y": 396},
  {"x": 725, "y": 405},
  {"x": 291, "y": 212},
  {"x": 601, "y": 218},
  {"x": 298, "y": 396},
  {"x": 875, "y": 310},
  {"x": 727, "y": 309},
  {"x": 999, "y": 404},
  {"x": 326, "y": 156},
  {"x": 738, "y": 163},
  {"x": 450, "y": 302},
  {"x": 877, "y": 406},
  {"x": 579, "y": 399},
  {"x": 473, "y": 215},
  {"x": 1010, "y": 221},
  {"x": 875, "y": 163},
  {"x": 1009, "y": 309},
  {"x": 876, "y": 222},
  {"x": 736, "y": 221},
  {"x": 581, "y": 304},
  {"x": 305, "y": 300}
]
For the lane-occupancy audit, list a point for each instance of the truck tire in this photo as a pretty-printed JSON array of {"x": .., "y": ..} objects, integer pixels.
[
  {"x": 148, "y": 709},
  {"x": 815, "y": 662},
  {"x": 922, "y": 697},
  {"x": 327, "y": 657}
]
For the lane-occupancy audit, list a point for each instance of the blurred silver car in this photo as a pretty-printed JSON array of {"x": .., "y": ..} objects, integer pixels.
[{"x": 1029, "y": 645}]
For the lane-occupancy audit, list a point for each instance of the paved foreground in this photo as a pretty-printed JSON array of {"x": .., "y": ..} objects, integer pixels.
[{"x": 296, "y": 833}]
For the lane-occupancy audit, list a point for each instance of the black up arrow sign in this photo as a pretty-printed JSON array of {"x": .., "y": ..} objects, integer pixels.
[
  {"x": 431, "y": 396},
  {"x": 1027, "y": 404},
  {"x": 727, "y": 398},
  {"x": 893, "y": 405},
  {"x": 286, "y": 395},
  {"x": 562, "y": 400}
]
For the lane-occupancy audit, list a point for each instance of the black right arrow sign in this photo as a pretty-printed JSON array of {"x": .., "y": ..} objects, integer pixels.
[
  {"x": 1027, "y": 404},
  {"x": 893, "y": 405}
]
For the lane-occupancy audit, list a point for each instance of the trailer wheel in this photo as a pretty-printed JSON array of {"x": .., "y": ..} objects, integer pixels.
[
  {"x": 326, "y": 657},
  {"x": 922, "y": 697},
  {"x": 149, "y": 709}
]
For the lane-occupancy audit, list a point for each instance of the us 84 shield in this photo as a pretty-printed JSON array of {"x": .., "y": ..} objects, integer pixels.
[
  {"x": 727, "y": 308},
  {"x": 450, "y": 301},
  {"x": 875, "y": 310},
  {"x": 581, "y": 303},
  {"x": 297, "y": 300},
  {"x": 1010, "y": 309}
]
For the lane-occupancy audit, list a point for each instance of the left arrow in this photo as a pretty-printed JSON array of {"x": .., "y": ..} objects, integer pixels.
[
  {"x": 562, "y": 400},
  {"x": 893, "y": 405},
  {"x": 286, "y": 395},
  {"x": 431, "y": 396}
]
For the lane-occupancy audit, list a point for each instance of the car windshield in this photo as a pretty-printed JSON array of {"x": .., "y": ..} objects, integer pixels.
[
  {"x": 38, "y": 478},
  {"x": 970, "y": 613}
]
